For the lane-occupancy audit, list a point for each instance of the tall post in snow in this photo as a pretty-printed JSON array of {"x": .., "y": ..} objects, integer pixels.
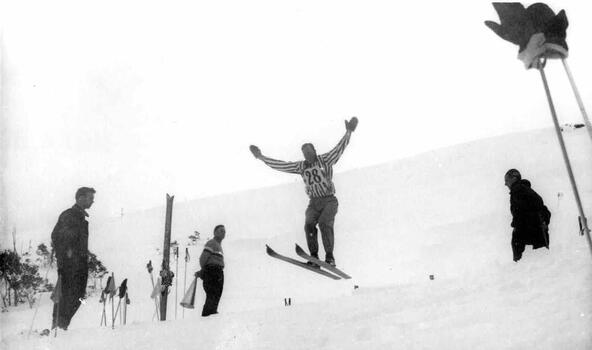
[
  {"x": 585, "y": 229},
  {"x": 166, "y": 274}
]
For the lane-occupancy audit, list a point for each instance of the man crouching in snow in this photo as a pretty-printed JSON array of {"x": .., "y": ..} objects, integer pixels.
[{"x": 530, "y": 216}]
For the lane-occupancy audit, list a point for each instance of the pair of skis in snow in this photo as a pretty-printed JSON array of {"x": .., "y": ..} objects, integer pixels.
[{"x": 322, "y": 267}]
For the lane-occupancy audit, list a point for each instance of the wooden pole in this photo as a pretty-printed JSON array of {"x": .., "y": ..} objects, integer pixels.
[
  {"x": 578, "y": 98},
  {"x": 572, "y": 179},
  {"x": 176, "y": 279}
]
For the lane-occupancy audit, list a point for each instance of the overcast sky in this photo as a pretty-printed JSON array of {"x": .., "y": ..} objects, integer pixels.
[{"x": 141, "y": 98}]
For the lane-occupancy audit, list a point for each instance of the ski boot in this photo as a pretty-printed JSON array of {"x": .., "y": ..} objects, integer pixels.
[
  {"x": 329, "y": 259},
  {"x": 310, "y": 263}
]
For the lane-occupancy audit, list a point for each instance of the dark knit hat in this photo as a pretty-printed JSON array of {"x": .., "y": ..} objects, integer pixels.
[{"x": 514, "y": 173}]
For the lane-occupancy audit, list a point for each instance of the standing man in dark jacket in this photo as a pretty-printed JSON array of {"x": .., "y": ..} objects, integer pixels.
[
  {"x": 69, "y": 240},
  {"x": 211, "y": 262},
  {"x": 530, "y": 216},
  {"x": 317, "y": 173}
]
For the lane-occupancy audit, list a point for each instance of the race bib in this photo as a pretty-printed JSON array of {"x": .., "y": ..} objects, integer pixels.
[{"x": 316, "y": 181}]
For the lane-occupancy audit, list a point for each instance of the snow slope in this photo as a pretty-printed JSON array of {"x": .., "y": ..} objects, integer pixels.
[{"x": 443, "y": 213}]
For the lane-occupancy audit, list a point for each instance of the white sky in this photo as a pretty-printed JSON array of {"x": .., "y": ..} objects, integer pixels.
[{"x": 137, "y": 99}]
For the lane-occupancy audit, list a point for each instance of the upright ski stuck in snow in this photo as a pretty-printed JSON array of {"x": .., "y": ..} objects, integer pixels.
[{"x": 304, "y": 265}]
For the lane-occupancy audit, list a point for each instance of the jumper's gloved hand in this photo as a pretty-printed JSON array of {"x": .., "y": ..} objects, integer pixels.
[
  {"x": 351, "y": 124},
  {"x": 256, "y": 151},
  {"x": 198, "y": 274}
]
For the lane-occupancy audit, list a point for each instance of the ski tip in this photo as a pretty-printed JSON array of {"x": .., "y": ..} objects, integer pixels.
[{"x": 268, "y": 249}]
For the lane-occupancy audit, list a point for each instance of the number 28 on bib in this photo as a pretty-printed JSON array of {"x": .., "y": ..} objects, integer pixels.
[{"x": 317, "y": 184}]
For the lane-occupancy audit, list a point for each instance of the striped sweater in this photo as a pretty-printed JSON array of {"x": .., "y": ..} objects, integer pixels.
[
  {"x": 318, "y": 176},
  {"x": 212, "y": 254}
]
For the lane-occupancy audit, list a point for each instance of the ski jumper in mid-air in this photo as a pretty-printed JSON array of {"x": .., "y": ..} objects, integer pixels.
[{"x": 317, "y": 173}]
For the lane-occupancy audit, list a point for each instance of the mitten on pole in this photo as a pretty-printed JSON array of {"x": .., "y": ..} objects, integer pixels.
[{"x": 537, "y": 31}]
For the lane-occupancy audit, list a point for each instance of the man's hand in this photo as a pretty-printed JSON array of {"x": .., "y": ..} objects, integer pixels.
[
  {"x": 256, "y": 151},
  {"x": 198, "y": 274},
  {"x": 351, "y": 124}
]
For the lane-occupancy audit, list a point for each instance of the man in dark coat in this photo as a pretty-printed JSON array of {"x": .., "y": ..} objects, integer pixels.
[
  {"x": 69, "y": 240},
  {"x": 530, "y": 216}
]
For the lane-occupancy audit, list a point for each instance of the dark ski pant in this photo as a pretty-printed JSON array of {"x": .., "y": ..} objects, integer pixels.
[
  {"x": 517, "y": 246},
  {"x": 321, "y": 211},
  {"x": 213, "y": 283},
  {"x": 73, "y": 288}
]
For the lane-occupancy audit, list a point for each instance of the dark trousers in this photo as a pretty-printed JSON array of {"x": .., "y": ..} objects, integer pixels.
[
  {"x": 73, "y": 288},
  {"x": 537, "y": 237},
  {"x": 213, "y": 283},
  {"x": 518, "y": 245},
  {"x": 321, "y": 211}
]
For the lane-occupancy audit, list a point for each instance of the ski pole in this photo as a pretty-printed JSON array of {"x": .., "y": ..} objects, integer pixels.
[
  {"x": 564, "y": 152},
  {"x": 112, "y": 312},
  {"x": 111, "y": 295},
  {"x": 176, "y": 279},
  {"x": 185, "y": 277},
  {"x": 104, "y": 315},
  {"x": 127, "y": 301},
  {"x": 122, "y": 293},
  {"x": 149, "y": 267},
  {"x": 116, "y": 312}
]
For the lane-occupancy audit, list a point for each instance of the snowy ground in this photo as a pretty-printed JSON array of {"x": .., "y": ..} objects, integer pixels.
[{"x": 443, "y": 213}]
